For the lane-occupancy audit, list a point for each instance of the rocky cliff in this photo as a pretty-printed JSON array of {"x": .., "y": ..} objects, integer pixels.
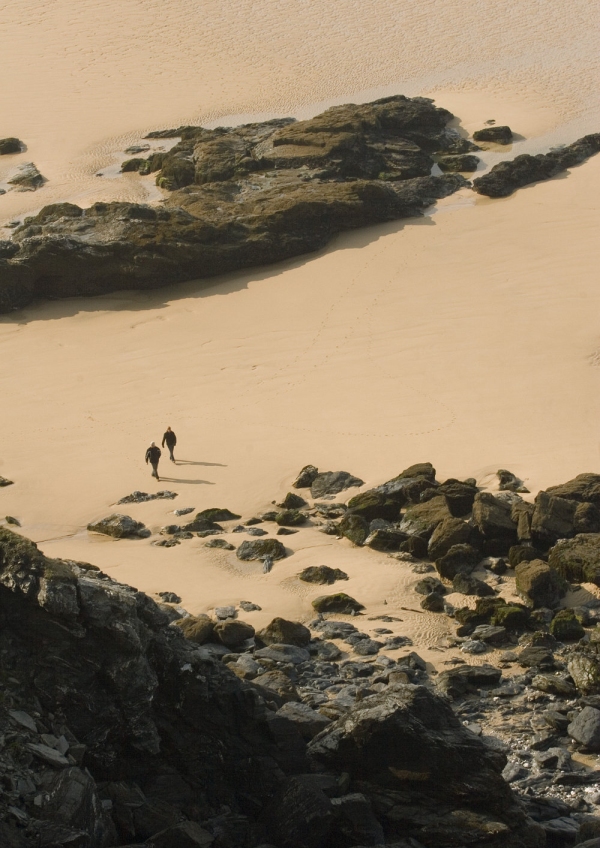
[
  {"x": 117, "y": 730},
  {"x": 239, "y": 197}
]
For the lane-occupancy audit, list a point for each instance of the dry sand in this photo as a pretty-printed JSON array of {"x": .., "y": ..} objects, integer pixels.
[{"x": 469, "y": 338}]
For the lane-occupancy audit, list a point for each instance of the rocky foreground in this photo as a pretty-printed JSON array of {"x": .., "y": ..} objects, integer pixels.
[
  {"x": 256, "y": 194},
  {"x": 128, "y": 722}
]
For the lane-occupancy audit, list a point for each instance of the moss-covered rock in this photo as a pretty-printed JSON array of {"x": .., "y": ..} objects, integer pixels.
[
  {"x": 197, "y": 628},
  {"x": 292, "y": 501},
  {"x": 260, "y": 548},
  {"x": 511, "y": 616},
  {"x": 290, "y": 518},
  {"x": 566, "y": 626},
  {"x": 306, "y": 477},
  {"x": 339, "y": 602},
  {"x": 386, "y": 539},
  {"x": 9, "y": 145},
  {"x": 449, "y": 532},
  {"x": 216, "y": 513},
  {"x": 459, "y": 559},
  {"x": 322, "y": 574},
  {"x": 233, "y": 633},
  {"x": 370, "y": 505},
  {"x": 585, "y": 671},
  {"x": 283, "y": 632},
  {"x": 422, "y": 519},
  {"x": 539, "y": 585},
  {"x": 462, "y": 162},
  {"x": 577, "y": 559},
  {"x": 353, "y": 527}
]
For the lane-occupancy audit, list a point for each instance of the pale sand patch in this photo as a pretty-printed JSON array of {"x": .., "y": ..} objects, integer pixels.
[{"x": 463, "y": 339}]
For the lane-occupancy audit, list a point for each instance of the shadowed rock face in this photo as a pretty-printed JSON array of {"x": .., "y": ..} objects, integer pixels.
[
  {"x": 240, "y": 197},
  {"x": 169, "y": 736},
  {"x": 506, "y": 177}
]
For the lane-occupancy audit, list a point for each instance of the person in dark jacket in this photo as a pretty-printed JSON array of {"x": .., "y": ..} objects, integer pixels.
[
  {"x": 152, "y": 457},
  {"x": 171, "y": 440}
]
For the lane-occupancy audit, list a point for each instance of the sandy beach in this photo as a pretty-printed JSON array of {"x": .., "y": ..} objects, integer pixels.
[{"x": 469, "y": 338}]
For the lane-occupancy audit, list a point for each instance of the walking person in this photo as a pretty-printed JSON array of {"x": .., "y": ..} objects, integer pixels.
[
  {"x": 152, "y": 456},
  {"x": 171, "y": 440}
]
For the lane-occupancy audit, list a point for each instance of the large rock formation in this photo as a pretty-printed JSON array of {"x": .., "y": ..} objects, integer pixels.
[
  {"x": 506, "y": 177},
  {"x": 122, "y": 731},
  {"x": 240, "y": 197}
]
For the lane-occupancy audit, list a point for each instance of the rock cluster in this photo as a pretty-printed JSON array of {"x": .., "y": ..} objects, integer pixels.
[
  {"x": 117, "y": 730},
  {"x": 506, "y": 177},
  {"x": 239, "y": 197}
]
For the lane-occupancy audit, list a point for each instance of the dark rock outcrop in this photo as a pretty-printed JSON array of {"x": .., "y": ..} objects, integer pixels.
[
  {"x": 9, "y": 145},
  {"x": 538, "y": 585},
  {"x": 499, "y": 135},
  {"x": 240, "y": 197},
  {"x": 27, "y": 178},
  {"x": 577, "y": 559},
  {"x": 506, "y": 177},
  {"x": 260, "y": 549},
  {"x": 119, "y": 526},
  {"x": 322, "y": 574}
]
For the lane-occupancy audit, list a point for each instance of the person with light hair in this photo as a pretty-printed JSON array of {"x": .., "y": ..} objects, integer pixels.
[{"x": 152, "y": 456}]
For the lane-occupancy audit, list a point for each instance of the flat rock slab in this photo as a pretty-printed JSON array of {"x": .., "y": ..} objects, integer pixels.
[
  {"x": 283, "y": 653},
  {"x": 48, "y": 755},
  {"x": 333, "y": 482}
]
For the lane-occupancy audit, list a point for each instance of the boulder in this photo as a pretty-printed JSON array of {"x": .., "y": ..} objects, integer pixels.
[
  {"x": 259, "y": 549},
  {"x": 508, "y": 176},
  {"x": 277, "y": 684},
  {"x": 577, "y": 559},
  {"x": 233, "y": 633},
  {"x": 459, "y": 559},
  {"x": 587, "y": 518},
  {"x": 322, "y": 574},
  {"x": 306, "y": 477},
  {"x": 422, "y": 519},
  {"x": 537, "y": 656},
  {"x": 456, "y": 682},
  {"x": 409, "y": 486},
  {"x": 450, "y": 531},
  {"x": 433, "y": 602},
  {"x": 354, "y": 528},
  {"x": 290, "y": 518},
  {"x": 217, "y": 514},
  {"x": 196, "y": 628},
  {"x": 584, "y": 488},
  {"x": 283, "y": 632},
  {"x": 407, "y": 737},
  {"x": 339, "y": 602},
  {"x": 585, "y": 671},
  {"x": 585, "y": 729},
  {"x": 187, "y": 834},
  {"x": 120, "y": 527},
  {"x": 299, "y": 816},
  {"x": 462, "y": 162},
  {"x": 469, "y": 585},
  {"x": 493, "y": 517},
  {"x": 553, "y": 518},
  {"x": 385, "y": 539},
  {"x": 292, "y": 501},
  {"x": 308, "y": 721},
  {"x": 509, "y": 482},
  {"x": 333, "y": 482},
  {"x": 27, "y": 178},
  {"x": 538, "y": 585},
  {"x": 499, "y": 135},
  {"x": 459, "y": 495},
  {"x": 523, "y": 553},
  {"x": 566, "y": 627},
  {"x": 372, "y": 504},
  {"x": 430, "y": 584},
  {"x": 9, "y": 145}
]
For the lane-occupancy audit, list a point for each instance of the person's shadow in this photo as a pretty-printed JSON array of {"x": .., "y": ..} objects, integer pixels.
[
  {"x": 182, "y": 480},
  {"x": 193, "y": 462}
]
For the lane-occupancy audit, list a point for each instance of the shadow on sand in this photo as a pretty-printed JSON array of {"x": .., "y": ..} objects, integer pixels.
[{"x": 193, "y": 462}]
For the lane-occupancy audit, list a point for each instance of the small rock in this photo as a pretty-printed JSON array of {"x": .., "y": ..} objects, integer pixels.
[
  {"x": 284, "y": 654},
  {"x": 288, "y": 531},
  {"x": 48, "y": 755},
  {"x": 332, "y": 482},
  {"x": 5, "y": 482},
  {"x": 169, "y": 597},
  {"x": 339, "y": 602},
  {"x": 498, "y": 135},
  {"x": 223, "y": 613},
  {"x": 322, "y": 574},
  {"x": 248, "y": 606},
  {"x": 585, "y": 729},
  {"x": 24, "y": 719},
  {"x": 119, "y": 526},
  {"x": 473, "y": 646},
  {"x": 219, "y": 543},
  {"x": 306, "y": 477},
  {"x": 10, "y": 145},
  {"x": 283, "y": 632},
  {"x": 12, "y": 520},
  {"x": 260, "y": 548},
  {"x": 184, "y": 510},
  {"x": 27, "y": 178}
]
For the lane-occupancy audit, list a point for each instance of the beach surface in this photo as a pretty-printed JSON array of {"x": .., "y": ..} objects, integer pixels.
[{"x": 469, "y": 338}]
